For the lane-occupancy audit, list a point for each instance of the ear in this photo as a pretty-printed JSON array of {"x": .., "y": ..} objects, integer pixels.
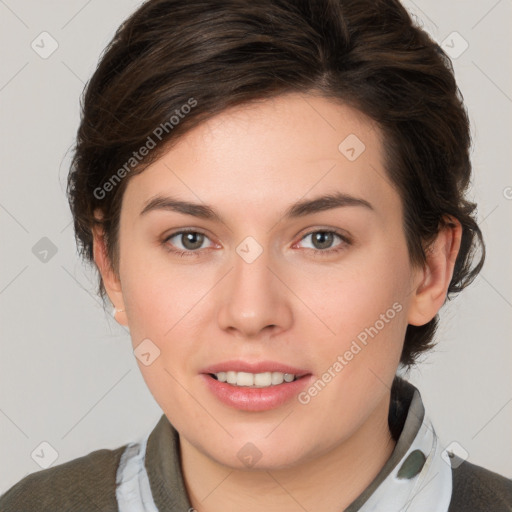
[
  {"x": 111, "y": 280},
  {"x": 432, "y": 281}
]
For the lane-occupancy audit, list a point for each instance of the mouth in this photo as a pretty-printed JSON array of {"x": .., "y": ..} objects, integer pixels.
[{"x": 255, "y": 386}]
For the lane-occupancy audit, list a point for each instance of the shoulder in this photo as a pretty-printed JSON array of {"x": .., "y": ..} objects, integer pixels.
[
  {"x": 476, "y": 489},
  {"x": 86, "y": 483}
]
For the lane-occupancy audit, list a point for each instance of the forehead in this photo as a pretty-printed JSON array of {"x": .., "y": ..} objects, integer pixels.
[{"x": 270, "y": 153}]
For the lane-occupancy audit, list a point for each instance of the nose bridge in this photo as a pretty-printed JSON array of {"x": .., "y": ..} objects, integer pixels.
[{"x": 254, "y": 298}]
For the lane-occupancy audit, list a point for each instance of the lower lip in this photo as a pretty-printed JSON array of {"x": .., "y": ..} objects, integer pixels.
[{"x": 256, "y": 399}]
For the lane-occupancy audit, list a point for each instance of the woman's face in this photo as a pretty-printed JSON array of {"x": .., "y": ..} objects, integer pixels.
[{"x": 273, "y": 279}]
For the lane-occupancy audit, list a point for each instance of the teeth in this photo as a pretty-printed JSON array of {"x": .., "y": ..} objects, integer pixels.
[
  {"x": 255, "y": 380},
  {"x": 262, "y": 380}
]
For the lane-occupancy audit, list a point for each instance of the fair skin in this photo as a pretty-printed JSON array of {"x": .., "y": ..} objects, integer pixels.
[{"x": 288, "y": 305}]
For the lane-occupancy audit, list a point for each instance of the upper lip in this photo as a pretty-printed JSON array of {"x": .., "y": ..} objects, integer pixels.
[{"x": 254, "y": 367}]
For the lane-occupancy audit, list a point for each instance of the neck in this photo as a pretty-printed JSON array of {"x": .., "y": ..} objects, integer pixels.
[{"x": 330, "y": 482}]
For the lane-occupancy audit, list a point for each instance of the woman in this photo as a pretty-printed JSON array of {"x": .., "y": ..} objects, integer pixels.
[{"x": 273, "y": 195}]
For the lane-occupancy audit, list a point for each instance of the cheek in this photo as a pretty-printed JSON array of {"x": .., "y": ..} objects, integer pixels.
[
  {"x": 157, "y": 293},
  {"x": 166, "y": 304},
  {"x": 357, "y": 361},
  {"x": 163, "y": 307},
  {"x": 361, "y": 316},
  {"x": 351, "y": 297}
]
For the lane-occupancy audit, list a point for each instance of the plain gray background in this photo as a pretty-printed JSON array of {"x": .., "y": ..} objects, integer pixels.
[{"x": 68, "y": 374}]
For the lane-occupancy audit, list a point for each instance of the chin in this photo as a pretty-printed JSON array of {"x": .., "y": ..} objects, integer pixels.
[{"x": 258, "y": 452}]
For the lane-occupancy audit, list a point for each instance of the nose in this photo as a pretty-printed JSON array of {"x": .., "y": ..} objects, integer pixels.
[{"x": 255, "y": 300}]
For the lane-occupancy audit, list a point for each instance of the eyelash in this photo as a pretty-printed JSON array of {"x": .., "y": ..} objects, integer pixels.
[{"x": 316, "y": 252}]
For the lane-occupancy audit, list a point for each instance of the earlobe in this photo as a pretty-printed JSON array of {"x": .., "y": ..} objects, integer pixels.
[{"x": 432, "y": 282}]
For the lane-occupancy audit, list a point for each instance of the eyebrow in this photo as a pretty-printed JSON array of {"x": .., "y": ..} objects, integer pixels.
[{"x": 296, "y": 210}]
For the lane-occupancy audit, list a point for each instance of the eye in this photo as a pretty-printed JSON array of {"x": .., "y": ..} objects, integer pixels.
[
  {"x": 322, "y": 241},
  {"x": 190, "y": 240}
]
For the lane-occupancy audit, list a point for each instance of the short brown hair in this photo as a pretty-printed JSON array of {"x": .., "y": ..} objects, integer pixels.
[{"x": 218, "y": 54}]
